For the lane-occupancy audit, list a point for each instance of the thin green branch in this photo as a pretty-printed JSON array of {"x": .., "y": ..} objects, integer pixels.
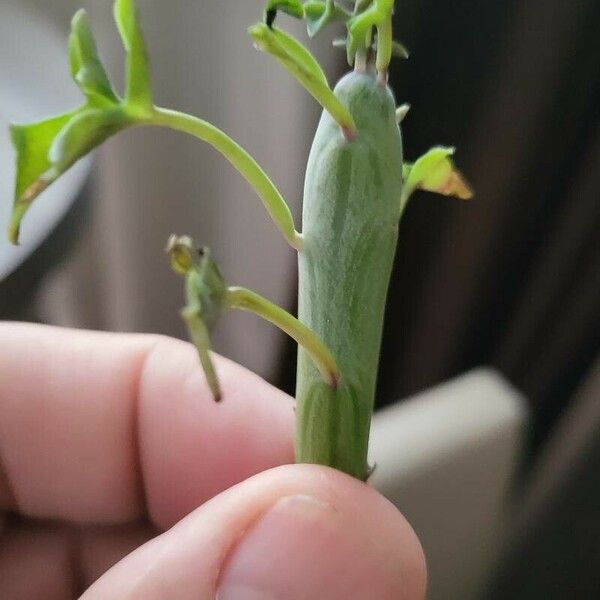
[
  {"x": 298, "y": 61},
  {"x": 249, "y": 169},
  {"x": 245, "y": 299},
  {"x": 201, "y": 339}
]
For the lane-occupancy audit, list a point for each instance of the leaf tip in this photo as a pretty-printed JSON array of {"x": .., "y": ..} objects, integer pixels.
[
  {"x": 13, "y": 232},
  {"x": 401, "y": 112}
]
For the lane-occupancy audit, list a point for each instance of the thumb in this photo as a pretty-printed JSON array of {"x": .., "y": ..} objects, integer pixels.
[{"x": 291, "y": 533}]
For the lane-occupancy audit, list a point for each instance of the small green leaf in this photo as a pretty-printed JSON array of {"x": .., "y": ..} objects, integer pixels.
[
  {"x": 138, "y": 90},
  {"x": 300, "y": 54},
  {"x": 401, "y": 112},
  {"x": 32, "y": 144},
  {"x": 399, "y": 50},
  {"x": 319, "y": 16},
  {"x": 304, "y": 67},
  {"x": 291, "y": 7},
  {"x": 360, "y": 30},
  {"x": 435, "y": 172},
  {"x": 205, "y": 298},
  {"x": 45, "y": 150},
  {"x": 86, "y": 67},
  {"x": 206, "y": 288},
  {"x": 314, "y": 9},
  {"x": 84, "y": 132}
]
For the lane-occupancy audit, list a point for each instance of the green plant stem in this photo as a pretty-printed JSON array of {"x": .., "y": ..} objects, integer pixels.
[
  {"x": 244, "y": 299},
  {"x": 251, "y": 171},
  {"x": 201, "y": 339},
  {"x": 384, "y": 46},
  {"x": 296, "y": 59}
]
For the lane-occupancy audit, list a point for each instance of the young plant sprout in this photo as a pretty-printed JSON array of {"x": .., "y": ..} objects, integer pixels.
[{"x": 356, "y": 189}]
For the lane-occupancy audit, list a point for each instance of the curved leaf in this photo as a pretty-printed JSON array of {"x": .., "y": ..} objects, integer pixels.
[
  {"x": 45, "y": 150},
  {"x": 32, "y": 143},
  {"x": 86, "y": 67},
  {"x": 291, "y": 7},
  {"x": 435, "y": 172},
  {"x": 304, "y": 67},
  {"x": 301, "y": 54},
  {"x": 84, "y": 132},
  {"x": 137, "y": 70},
  {"x": 318, "y": 15}
]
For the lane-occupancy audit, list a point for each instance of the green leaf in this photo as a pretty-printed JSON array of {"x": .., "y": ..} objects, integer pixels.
[
  {"x": 205, "y": 293},
  {"x": 84, "y": 132},
  {"x": 300, "y": 54},
  {"x": 367, "y": 16},
  {"x": 86, "y": 67},
  {"x": 435, "y": 172},
  {"x": 45, "y": 150},
  {"x": 304, "y": 67},
  {"x": 138, "y": 92},
  {"x": 291, "y": 7},
  {"x": 401, "y": 112},
  {"x": 319, "y": 15},
  {"x": 205, "y": 287},
  {"x": 32, "y": 144}
]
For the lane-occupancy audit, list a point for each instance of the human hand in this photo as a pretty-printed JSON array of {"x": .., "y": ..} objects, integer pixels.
[{"x": 106, "y": 440}]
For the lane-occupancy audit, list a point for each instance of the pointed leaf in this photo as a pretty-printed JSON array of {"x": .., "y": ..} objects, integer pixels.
[
  {"x": 47, "y": 149},
  {"x": 318, "y": 16},
  {"x": 304, "y": 67},
  {"x": 86, "y": 66},
  {"x": 300, "y": 54},
  {"x": 84, "y": 132},
  {"x": 32, "y": 144},
  {"x": 401, "y": 112},
  {"x": 435, "y": 172},
  {"x": 291, "y": 7},
  {"x": 205, "y": 287},
  {"x": 399, "y": 50},
  {"x": 138, "y": 90}
]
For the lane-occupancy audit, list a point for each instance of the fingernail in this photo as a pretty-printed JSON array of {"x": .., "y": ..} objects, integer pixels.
[{"x": 301, "y": 548}]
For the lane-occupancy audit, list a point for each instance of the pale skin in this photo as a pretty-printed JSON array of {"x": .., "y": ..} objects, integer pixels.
[{"x": 108, "y": 440}]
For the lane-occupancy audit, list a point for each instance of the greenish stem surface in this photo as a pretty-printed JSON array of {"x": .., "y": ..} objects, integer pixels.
[{"x": 350, "y": 227}]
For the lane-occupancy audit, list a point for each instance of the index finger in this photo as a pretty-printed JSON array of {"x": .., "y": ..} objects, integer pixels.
[{"x": 103, "y": 428}]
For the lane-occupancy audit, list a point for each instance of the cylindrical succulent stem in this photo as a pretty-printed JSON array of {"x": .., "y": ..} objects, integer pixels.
[{"x": 350, "y": 220}]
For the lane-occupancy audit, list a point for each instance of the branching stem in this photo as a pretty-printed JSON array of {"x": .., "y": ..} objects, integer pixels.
[{"x": 244, "y": 299}]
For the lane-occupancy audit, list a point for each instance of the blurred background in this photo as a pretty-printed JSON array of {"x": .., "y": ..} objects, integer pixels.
[{"x": 510, "y": 280}]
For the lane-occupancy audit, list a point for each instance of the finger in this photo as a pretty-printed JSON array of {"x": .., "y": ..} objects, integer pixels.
[
  {"x": 294, "y": 532},
  {"x": 96, "y": 427}
]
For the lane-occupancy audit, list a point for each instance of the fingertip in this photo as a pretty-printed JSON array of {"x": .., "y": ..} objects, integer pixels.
[{"x": 293, "y": 532}]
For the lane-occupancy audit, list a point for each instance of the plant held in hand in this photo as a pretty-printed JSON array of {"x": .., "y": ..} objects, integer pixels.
[{"x": 356, "y": 189}]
